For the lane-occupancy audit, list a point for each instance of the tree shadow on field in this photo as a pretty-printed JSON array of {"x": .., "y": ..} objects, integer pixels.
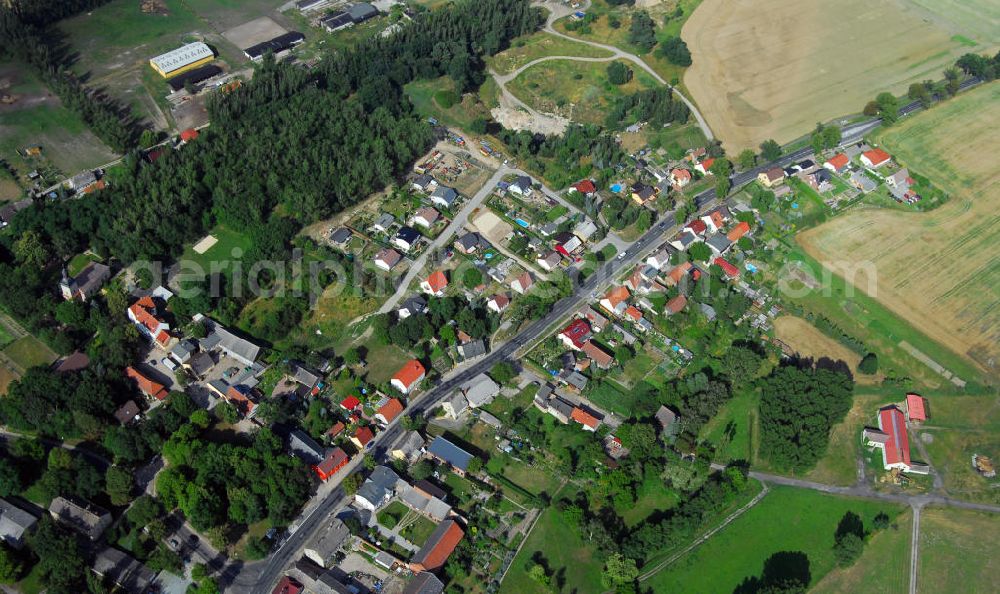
[{"x": 785, "y": 571}]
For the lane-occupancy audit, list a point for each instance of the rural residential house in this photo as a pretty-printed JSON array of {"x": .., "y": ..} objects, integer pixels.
[
  {"x": 875, "y": 158},
  {"x": 837, "y": 163},
  {"x": 480, "y": 390},
  {"x": 145, "y": 315},
  {"x": 435, "y": 552},
  {"x": 549, "y": 261},
  {"x": 388, "y": 412},
  {"x": 331, "y": 464},
  {"x": 410, "y": 448},
  {"x": 522, "y": 283},
  {"x": 435, "y": 284},
  {"x": 409, "y": 376},
  {"x": 705, "y": 167},
  {"x": 324, "y": 545},
  {"x": 362, "y": 437},
  {"x": 588, "y": 421},
  {"x": 120, "y": 569},
  {"x": 15, "y": 524},
  {"x": 521, "y": 185},
  {"x": 387, "y": 258},
  {"x": 498, "y": 303},
  {"x": 598, "y": 355},
  {"x": 679, "y": 178},
  {"x": 411, "y": 306},
  {"x": 575, "y": 334},
  {"x": 450, "y": 454},
  {"x": 771, "y": 177},
  {"x": 675, "y": 305},
  {"x": 378, "y": 488},
  {"x": 616, "y": 300},
  {"x": 585, "y": 187},
  {"x": 892, "y": 439},
  {"x": 148, "y": 386},
  {"x": 82, "y": 516},
  {"x": 454, "y": 405},
  {"x": 406, "y": 238},
  {"x": 444, "y": 196},
  {"x": 426, "y": 217}
]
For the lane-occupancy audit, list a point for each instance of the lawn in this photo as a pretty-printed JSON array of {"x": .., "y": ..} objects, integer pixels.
[
  {"x": 427, "y": 97},
  {"x": 79, "y": 262},
  {"x": 418, "y": 531},
  {"x": 960, "y": 426},
  {"x": 652, "y": 497},
  {"x": 610, "y": 396},
  {"x": 787, "y": 519},
  {"x": 579, "y": 91},
  {"x": 958, "y": 547},
  {"x": 537, "y": 45},
  {"x": 392, "y": 514},
  {"x": 383, "y": 362},
  {"x": 732, "y": 430},
  {"x": 565, "y": 554},
  {"x": 231, "y": 245},
  {"x": 28, "y": 352},
  {"x": 884, "y": 567}
]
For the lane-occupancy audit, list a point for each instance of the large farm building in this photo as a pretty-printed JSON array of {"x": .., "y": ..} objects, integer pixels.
[{"x": 182, "y": 59}]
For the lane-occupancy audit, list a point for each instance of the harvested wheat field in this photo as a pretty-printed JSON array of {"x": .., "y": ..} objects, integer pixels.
[
  {"x": 939, "y": 270},
  {"x": 773, "y": 68},
  {"x": 808, "y": 341}
]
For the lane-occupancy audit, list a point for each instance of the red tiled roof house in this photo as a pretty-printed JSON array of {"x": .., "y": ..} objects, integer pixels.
[{"x": 411, "y": 374}]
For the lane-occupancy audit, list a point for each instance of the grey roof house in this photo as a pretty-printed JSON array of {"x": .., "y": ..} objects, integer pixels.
[
  {"x": 85, "y": 517},
  {"x": 444, "y": 196},
  {"x": 328, "y": 540},
  {"x": 377, "y": 489},
  {"x": 122, "y": 570},
  {"x": 305, "y": 448},
  {"x": 450, "y": 454},
  {"x": 15, "y": 523},
  {"x": 481, "y": 390}
]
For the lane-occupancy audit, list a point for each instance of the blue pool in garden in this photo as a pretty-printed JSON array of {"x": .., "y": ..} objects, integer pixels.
[
  {"x": 616, "y": 188},
  {"x": 751, "y": 268},
  {"x": 522, "y": 223}
]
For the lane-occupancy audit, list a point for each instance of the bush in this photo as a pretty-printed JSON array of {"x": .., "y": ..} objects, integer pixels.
[
  {"x": 676, "y": 51},
  {"x": 619, "y": 73},
  {"x": 869, "y": 364}
]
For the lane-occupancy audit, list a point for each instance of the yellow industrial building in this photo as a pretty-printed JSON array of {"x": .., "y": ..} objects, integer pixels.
[{"x": 182, "y": 59}]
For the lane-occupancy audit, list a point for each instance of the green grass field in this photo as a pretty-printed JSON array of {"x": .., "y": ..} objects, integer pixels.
[
  {"x": 426, "y": 99},
  {"x": 732, "y": 430},
  {"x": 785, "y": 520},
  {"x": 79, "y": 262},
  {"x": 5, "y": 336},
  {"x": 958, "y": 551},
  {"x": 563, "y": 551},
  {"x": 884, "y": 567},
  {"x": 418, "y": 531},
  {"x": 28, "y": 352},
  {"x": 538, "y": 45},
  {"x": 39, "y": 119},
  {"x": 577, "y": 90},
  {"x": 384, "y": 361},
  {"x": 118, "y": 34},
  {"x": 960, "y": 426},
  {"x": 231, "y": 245}
]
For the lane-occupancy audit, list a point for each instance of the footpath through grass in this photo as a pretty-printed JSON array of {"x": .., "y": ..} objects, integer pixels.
[{"x": 787, "y": 519}]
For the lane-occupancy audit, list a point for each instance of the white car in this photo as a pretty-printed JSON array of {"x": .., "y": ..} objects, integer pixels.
[{"x": 169, "y": 364}]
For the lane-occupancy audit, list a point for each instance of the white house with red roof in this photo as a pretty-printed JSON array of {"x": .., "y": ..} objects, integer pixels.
[
  {"x": 576, "y": 334},
  {"x": 498, "y": 303},
  {"x": 616, "y": 300},
  {"x": 837, "y": 163},
  {"x": 728, "y": 269},
  {"x": 892, "y": 439},
  {"x": 145, "y": 315},
  {"x": 680, "y": 177},
  {"x": 522, "y": 283},
  {"x": 875, "y": 158},
  {"x": 704, "y": 167},
  {"x": 435, "y": 284},
  {"x": 409, "y": 376},
  {"x": 585, "y": 187}
]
